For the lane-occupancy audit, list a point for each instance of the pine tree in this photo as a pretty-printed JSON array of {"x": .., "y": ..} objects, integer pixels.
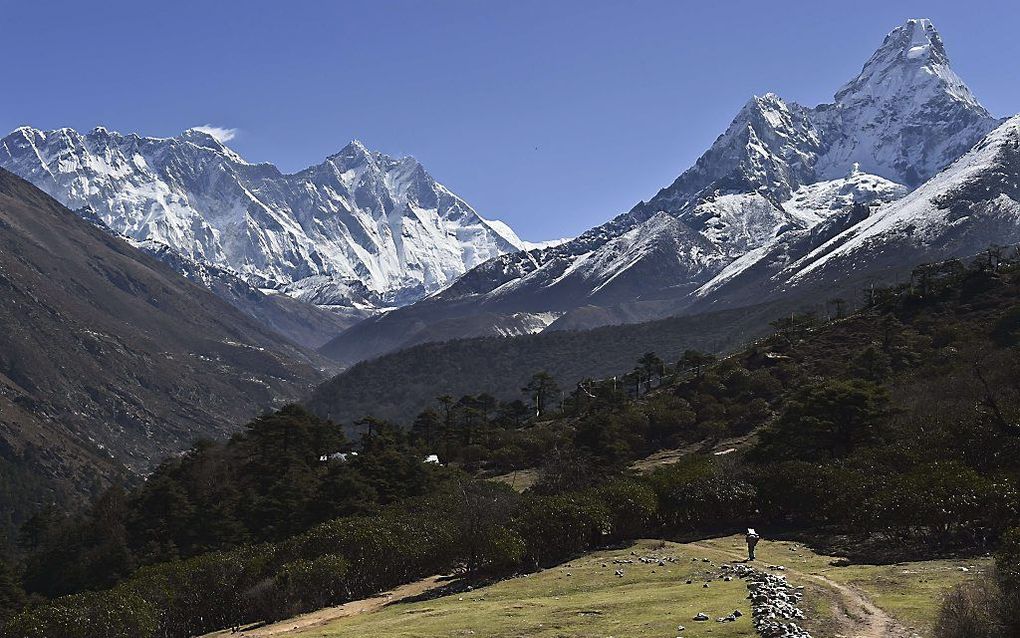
[{"x": 540, "y": 389}]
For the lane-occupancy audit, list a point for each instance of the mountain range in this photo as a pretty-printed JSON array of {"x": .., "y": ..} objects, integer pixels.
[
  {"x": 115, "y": 353},
  {"x": 781, "y": 186},
  {"x": 359, "y": 232},
  {"x": 365, "y": 254},
  {"x": 397, "y": 259}
]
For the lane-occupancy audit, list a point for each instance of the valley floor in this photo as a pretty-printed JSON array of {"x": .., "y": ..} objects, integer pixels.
[{"x": 585, "y": 599}]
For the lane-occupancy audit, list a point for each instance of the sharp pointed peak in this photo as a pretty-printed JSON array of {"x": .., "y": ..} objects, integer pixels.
[
  {"x": 911, "y": 61},
  {"x": 766, "y": 101},
  {"x": 355, "y": 151},
  {"x": 197, "y": 134},
  {"x": 352, "y": 154},
  {"x": 916, "y": 39},
  {"x": 917, "y": 24}
]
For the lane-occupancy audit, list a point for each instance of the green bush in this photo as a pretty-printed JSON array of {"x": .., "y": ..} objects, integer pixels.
[
  {"x": 204, "y": 593},
  {"x": 382, "y": 550},
  {"x": 555, "y": 528},
  {"x": 499, "y": 551},
  {"x": 633, "y": 508},
  {"x": 115, "y": 613},
  {"x": 696, "y": 495},
  {"x": 302, "y": 585}
]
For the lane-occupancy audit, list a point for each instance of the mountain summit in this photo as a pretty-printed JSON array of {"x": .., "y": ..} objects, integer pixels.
[
  {"x": 358, "y": 218},
  {"x": 906, "y": 115}
]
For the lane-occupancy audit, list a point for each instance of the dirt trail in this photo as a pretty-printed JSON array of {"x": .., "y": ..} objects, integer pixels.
[
  {"x": 867, "y": 619},
  {"x": 864, "y": 619},
  {"x": 329, "y": 614}
]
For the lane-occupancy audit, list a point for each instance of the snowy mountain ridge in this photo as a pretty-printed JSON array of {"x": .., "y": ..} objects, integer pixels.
[
  {"x": 971, "y": 205},
  {"x": 359, "y": 217},
  {"x": 938, "y": 205},
  {"x": 906, "y": 115}
]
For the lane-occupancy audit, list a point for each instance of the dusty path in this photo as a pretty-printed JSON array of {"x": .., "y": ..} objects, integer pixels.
[
  {"x": 867, "y": 619},
  {"x": 329, "y": 614},
  {"x": 863, "y": 619}
]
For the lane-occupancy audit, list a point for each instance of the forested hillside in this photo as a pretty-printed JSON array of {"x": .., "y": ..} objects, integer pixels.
[
  {"x": 397, "y": 386},
  {"x": 887, "y": 434}
]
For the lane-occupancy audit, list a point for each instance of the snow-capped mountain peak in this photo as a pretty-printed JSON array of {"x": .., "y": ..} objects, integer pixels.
[
  {"x": 911, "y": 55},
  {"x": 360, "y": 215},
  {"x": 906, "y": 115},
  {"x": 781, "y": 180},
  {"x": 198, "y": 137},
  {"x": 780, "y": 166}
]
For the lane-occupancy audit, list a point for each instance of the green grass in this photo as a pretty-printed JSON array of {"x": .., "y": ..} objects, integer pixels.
[
  {"x": 909, "y": 592},
  {"x": 582, "y": 599}
]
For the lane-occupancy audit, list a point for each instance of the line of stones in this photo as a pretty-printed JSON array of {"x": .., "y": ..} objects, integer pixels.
[{"x": 774, "y": 602}]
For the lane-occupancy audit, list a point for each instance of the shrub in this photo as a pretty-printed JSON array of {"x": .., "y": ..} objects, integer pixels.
[
  {"x": 115, "y": 613},
  {"x": 204, "y": 593},
  {"x": 1007, "y": 562},
  {"x": 632, "y": 506},
  {"x": 499, "y": 551},
  {"x": 970, "y": 610},
  {"x": 300, "y": 586},
  {"x": 558, "y": 527},
  {"x": 695, "y": 495}
]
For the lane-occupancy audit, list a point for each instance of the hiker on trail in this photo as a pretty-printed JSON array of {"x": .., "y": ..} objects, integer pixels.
[{"x": 752, "y": 540}]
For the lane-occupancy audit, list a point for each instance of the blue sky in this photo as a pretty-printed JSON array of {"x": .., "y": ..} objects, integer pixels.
[{"x": 551, "y": 115}]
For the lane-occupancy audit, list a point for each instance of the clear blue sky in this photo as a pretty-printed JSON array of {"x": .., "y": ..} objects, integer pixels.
[{"x": 552, "y": 115}]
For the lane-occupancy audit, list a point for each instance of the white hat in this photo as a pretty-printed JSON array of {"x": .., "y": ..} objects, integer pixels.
[{"x": 751, "y": 532}]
